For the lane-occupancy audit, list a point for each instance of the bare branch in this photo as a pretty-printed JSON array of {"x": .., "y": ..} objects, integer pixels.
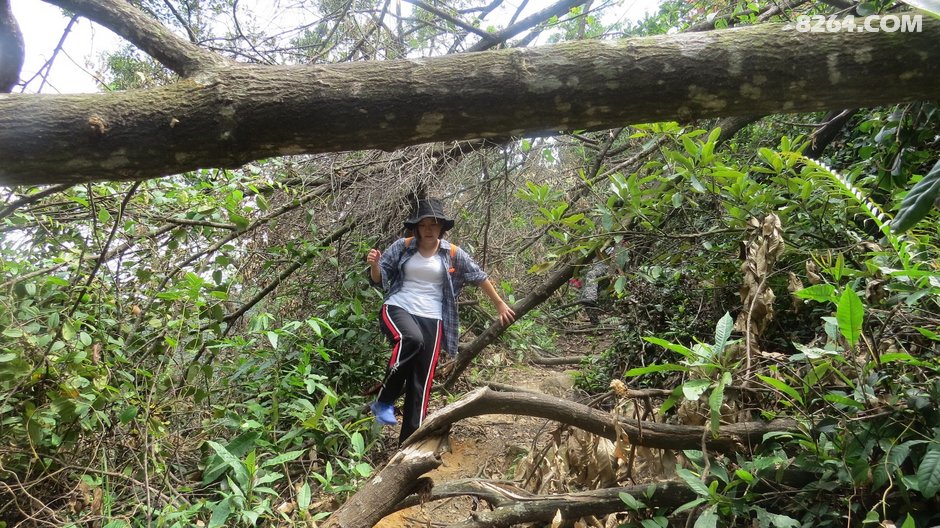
[
  {"x": 528, "y": 22},
  {"x": 32, "y": 198}
]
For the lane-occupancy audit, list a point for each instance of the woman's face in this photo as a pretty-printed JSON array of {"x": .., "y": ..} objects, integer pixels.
[{"x": 429, "y": 228}]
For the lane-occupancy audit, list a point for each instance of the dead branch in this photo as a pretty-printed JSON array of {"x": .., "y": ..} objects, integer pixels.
[
  {"x": 514, "y": 505},
  {"x": 730, "y": 438},
  {"x": 559, "y": 276}
]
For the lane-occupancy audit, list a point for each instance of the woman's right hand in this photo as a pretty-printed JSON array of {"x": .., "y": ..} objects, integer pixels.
[{"x": 373, "y": 259}]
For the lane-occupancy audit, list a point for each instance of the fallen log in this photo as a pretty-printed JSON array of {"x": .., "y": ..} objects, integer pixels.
[
  {"x": 386, "y": 490},
  {"x": 730, "y": 438}
]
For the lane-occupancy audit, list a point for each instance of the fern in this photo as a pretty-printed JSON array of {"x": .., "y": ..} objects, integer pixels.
[{"x": 901, "y": 245}]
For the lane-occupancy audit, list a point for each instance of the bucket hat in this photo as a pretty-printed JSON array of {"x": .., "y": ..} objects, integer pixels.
[{"x": 429, "y": 208}]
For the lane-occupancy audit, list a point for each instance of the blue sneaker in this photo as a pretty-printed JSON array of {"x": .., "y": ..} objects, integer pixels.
[{"x": 384, "y": 413}]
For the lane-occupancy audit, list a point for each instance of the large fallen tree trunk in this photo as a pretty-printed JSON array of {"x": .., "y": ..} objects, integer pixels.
[{"x": 228, "y": 114}]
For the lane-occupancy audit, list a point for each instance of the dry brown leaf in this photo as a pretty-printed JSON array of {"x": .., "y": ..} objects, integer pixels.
[
  {"x": 812, "y": 272},
  {"x": 794, "y": 284}
]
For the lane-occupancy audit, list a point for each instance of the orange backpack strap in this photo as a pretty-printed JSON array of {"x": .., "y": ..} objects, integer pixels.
[{"x": 453, "y": 253}]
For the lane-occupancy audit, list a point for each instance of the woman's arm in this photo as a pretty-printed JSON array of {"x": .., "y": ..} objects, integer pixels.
[
  {"x": 373, "y": 259},
  {"x": 506, "y": 314}
]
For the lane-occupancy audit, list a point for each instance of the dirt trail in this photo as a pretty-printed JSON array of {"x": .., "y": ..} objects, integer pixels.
[{"x": 489, "y": 446}]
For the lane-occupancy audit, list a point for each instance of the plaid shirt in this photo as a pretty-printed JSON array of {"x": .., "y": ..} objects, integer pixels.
[{"x": 465, "y": 269}]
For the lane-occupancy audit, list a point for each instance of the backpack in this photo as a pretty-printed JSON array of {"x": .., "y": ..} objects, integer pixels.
[{"x": 453, "y": 253}]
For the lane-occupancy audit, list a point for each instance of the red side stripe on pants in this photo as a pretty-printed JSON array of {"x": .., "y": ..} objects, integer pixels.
[
  {"x": 430, "y": 379},
  {"x": 395, "y": 334}
]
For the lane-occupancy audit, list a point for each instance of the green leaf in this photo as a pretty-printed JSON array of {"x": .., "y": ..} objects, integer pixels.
[
  {"x": 272, "y": 338},
  {"x": 694, "y": 482},
  {"x": 689, "y": 505},
  {"x": 818, "y": 293},
  {"x": 744, "y": 475},
  {"x": 240, "y": 221},
  {"x": 84, "y": 338},
  {"x": 7, "y": 357},
  {"x": 303, "y": 497},
  {"x": 663, "y": 367},
  {"x": 909, "y": 522},
  {"x": 220, "y": 514},
  {"x": 690, "y": 146},
  {"x": 679, "y": 349},
  {"x": 722, "y": 333},
  {"x": 358, "y": 443},
  {"x": 933, "y": 336},
  {"x": 363, "y": 469},
  {"x": 767, "y": 519},
  {"x": 693, "y": 389},
  {"x": 850, "y": 313},
  {"x": 655, "y": 522},
  {"x": 842, "y": 400},
  {"x": 128, "y": 414},
  {"x": 632, "y": 502},
  {"x": 708, "y": 518},
  {"x": 928, "y": 473},
  {"x": 919, "y": 201},
  {"x": 13, "y": 332},
  {"x": 896, "y": 356},
  {"x": 285, "y": 457},
  {"x": 104, "y": 216},
  {"x": 715, "y": 399},
  {"x": 267, "y": 479},
  {"x": 241, "y": 475}
]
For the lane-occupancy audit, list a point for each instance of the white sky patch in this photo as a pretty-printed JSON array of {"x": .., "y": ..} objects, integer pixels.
[{"x": 42, "y": 25}]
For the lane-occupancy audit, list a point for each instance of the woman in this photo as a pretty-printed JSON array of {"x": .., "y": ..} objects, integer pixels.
[{"x": 422, "y": 276}]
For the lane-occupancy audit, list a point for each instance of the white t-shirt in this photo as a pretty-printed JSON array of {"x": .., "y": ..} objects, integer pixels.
[{"x": 422, "y": 290}]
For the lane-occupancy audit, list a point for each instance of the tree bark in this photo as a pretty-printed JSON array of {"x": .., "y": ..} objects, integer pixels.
[
  {"x": 398, "y": 479},
  {"x": 234, "y": 114},
  {"x": 833, "y": 123}
]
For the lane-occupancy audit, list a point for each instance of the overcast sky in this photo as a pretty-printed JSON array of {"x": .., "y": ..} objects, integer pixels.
[{"x": 74, "y": 68}]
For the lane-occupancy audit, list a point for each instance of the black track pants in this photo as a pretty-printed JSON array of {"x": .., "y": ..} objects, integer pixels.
[{"x": 416, "y": 345}]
